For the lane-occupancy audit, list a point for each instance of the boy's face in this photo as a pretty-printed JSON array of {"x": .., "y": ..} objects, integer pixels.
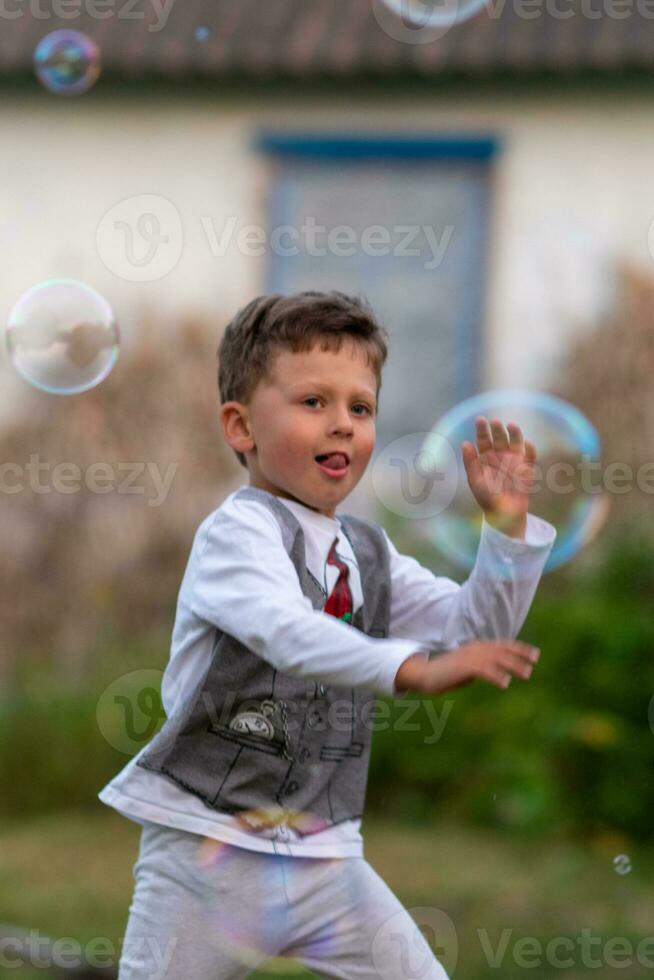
[{"x": 318, "y": 402}]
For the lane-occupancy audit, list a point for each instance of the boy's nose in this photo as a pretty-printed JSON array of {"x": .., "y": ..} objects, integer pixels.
[{"x": 340, "y": 421}]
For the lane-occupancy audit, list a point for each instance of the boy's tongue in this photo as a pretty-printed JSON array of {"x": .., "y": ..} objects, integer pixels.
[{"x": 334, "y": 461}]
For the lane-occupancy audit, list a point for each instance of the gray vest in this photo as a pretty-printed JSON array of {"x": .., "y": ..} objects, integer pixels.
[{"x": 251, "y": 736}]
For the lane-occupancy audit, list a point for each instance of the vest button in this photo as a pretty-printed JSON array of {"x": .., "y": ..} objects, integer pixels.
[
  {"x": 304, "y": 754},
  {"x": 292, "y": 788}
]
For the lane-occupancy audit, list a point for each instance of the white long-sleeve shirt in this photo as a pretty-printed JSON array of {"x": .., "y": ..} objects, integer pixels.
[{"x": 240, "y": 579}]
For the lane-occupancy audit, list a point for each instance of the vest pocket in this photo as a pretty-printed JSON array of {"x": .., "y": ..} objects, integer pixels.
[
  {"x": 246, "y": 740},
  {"x": 257, "y": 723}
]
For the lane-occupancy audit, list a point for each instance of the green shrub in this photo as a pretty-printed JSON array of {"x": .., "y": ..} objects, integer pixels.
[{"x": 572, "y": 749}]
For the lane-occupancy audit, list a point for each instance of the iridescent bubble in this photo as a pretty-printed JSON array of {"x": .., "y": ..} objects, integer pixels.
[
  {"x": 568, "y": 489},
  {"x": 62, "y": 337},
  {"x": 67, "y": 62},
  {"x": 435, "y": 13}
]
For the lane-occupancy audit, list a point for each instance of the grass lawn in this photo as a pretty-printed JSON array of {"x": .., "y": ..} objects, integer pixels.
[{"x": 71, "y": 875}]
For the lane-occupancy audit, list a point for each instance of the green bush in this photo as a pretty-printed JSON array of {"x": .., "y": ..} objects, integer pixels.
[
  {"x": 53, "y": 754},
  {"x": 572, "y": 749}
]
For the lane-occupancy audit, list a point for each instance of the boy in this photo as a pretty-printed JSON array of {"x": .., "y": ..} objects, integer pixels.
[{"x": 290, "y": 620}]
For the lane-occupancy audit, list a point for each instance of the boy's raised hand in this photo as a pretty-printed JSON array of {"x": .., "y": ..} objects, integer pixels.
[
  {"x": 500, "y": 473},
  {"x": 493, "y": 661}
]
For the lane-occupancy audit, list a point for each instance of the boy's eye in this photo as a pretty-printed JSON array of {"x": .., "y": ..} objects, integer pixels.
[{"x": 312, "y": 398}]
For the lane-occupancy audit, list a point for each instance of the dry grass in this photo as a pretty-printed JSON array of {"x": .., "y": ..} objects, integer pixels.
[{"x": 108, "y": 554}]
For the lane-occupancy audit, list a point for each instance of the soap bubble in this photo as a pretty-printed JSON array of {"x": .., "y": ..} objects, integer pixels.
[
  {"x": 568, "y": 490},
  {"x": 62, "y": 337},
  {"x": 428, "y": 13},
  {"x": 67, "y": 62}
]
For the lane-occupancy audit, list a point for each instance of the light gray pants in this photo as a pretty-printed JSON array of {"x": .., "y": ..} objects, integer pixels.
[{"x": 218, "y": 914}]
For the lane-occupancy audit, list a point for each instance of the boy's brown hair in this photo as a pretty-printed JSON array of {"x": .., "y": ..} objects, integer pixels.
[{"x": 272, "y": 323}]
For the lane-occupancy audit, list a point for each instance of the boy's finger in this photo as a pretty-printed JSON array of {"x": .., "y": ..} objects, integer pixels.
[
  {"x": 517, "y": 665},
  {"x": 516, "y": 438},
  {"x": 527, "y": 653},
  {"x": 484, "y": 436},
  {"x": 525, "y": 650},
  {"x": 469, "y": 454},
  {"x": 499, "y": 677},
  {"x": 530, "y": 451},
  {"x": 471, "y": 464},
  {"x": 500, "y": 436}
]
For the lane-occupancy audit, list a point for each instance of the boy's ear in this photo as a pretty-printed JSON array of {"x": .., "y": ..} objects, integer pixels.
[{"x": 236, "y": 426}]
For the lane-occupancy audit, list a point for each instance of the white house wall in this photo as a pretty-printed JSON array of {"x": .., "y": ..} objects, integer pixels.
[{"x": 573, "y": 191}]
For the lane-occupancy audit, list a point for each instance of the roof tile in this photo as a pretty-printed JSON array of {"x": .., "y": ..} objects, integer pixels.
[{"x": 304, "y": 38}]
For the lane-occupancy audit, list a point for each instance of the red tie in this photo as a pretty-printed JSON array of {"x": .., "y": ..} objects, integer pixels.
[{"x": 339, "y": 603}]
